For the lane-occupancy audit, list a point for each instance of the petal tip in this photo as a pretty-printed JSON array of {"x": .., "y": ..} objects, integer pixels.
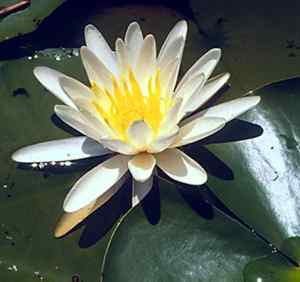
[{"x": 17, "y": 156}]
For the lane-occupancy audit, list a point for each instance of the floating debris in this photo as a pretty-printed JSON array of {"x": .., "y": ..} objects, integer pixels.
[
  {"x": 75, "y": 52},
  {"x": 20, "y": 92}
]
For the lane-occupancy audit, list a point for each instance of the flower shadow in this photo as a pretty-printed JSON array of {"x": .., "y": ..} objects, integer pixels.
[
  {"x": 97, "y": 225},
  {"x": 100, "y": 222}
]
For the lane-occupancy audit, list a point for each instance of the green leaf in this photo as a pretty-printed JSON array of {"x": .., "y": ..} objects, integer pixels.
[
  {"x": 258, "y": 178},
  {"x": 30, "y": 200},
  {"x": 182, "y": 247},
  {"x": 271, "y": 269},
  {"x": 26, "y": 20}
]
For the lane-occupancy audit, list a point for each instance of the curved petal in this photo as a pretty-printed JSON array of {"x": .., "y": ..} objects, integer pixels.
[
  {"x": 206, "y": 64},
  {"x": 140, "y": 190},
  {"x": 192, "y": 86},
  {"x": 95, "y": 183},
  {"x": 49, "y": 78},
  {"x": 74, "y": 88},
  {"x": 133, "y": 41},
  {"x": 73, "y": 148},
  {"x": 179, "y": 30},
  {"x": 146, "y": 62},
  {"x": 228, "y": 110},
  {"x": 163, "y": 142},
  {"x": 173, "y": 51},
  {"x": 95, "y": 69},
  {"x": 198, "y": 129},
  {"x": 92, "y": 117},
  {"x": 181, "y": 167},
  {"x": 76, "y": 120},
  {"x": 118, "y": 146},
  {"x": 69, "y": 220},
  {"x": 200, "y": 97},
  {"x": 139, "y": 134},
  {"x": 172, "y": 118},
  {"x": 174, "y": 44},
  {"x": 141, "y": 166},
  {"x": 169, "y": 77},
  {"x": 98, "y": 45},
  {"x": 122, "y": 55}
]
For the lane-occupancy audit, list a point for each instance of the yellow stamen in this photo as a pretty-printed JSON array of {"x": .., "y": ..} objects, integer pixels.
[{"x": 126, "y": 102}]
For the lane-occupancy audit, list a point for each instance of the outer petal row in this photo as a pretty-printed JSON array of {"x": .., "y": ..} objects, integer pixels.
[{"x": 73, "y": 148}]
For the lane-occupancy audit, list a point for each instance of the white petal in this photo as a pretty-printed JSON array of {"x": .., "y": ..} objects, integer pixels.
[
  {"x": 179, "y": 31},
  {"x": 74, "y": 88},
  {"x": 74, "y": 148},
  {"x": 122, "y": 55},
  {"x": 198, "y": 129},
  {"x": 191, "y": 85},
  {"x": 141, "y": 166},
  {"x": 133, "y": 41},
  {"x": 163, "y": 141},
  {"x": 172, "y": 118},
  {"x": 118, "y": 146},
  {"x": 69, "y": 220},
  {"x": 181, "y": 167},
  {"x": 206, "y": 64},
  {"x": 146, "y": 62},
  {"x": 139, "y": 134},
  {"x": 94, "y": 118},
  {"x": 98, "y": 45},
  {"x": 174, "y": 51},
  {"x": 228, "y": 110},
  {"x": 168, "y": 77},
  {"x": 140, "y": 190},
  {"x": 76, "y": 120},
  {"x": 49, "y": 78},
  {"x": 95, "y": 183},
  {"x": 200, "y": 97},
  {"x": 95, "y": 69}
]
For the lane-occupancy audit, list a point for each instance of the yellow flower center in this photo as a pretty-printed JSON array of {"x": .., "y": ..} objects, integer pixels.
[{"x": 127, "y": 102}]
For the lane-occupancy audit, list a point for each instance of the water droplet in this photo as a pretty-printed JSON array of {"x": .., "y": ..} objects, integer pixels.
[
  {"x": 41, "y": 165},
  {"x": 13, "y": 268},
  {"x": 29, "y": 58},
  {"x": 57, "y": 58},
  {"x": 34, "y": 165},
  {"x": 62, "y": 163},
  {"x": 35, "y": 56},
  {"x": 53, "y": 163},
  {"x": 68, "y": 163}
]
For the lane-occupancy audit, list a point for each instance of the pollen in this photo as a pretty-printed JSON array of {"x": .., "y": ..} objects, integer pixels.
[{"x": 128, "y": 101}]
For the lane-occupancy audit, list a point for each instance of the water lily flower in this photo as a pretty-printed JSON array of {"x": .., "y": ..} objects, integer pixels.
[{"x": 133, "y": 109}]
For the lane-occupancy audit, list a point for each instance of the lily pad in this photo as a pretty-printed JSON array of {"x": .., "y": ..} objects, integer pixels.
[
  {"x": 263, "y": 189},
  {"x": 182, "y": 247},
  {"x": 26, "y": 20},
  {"x": 271, "y": 269},
  {"x": 31, "y": 199}
]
